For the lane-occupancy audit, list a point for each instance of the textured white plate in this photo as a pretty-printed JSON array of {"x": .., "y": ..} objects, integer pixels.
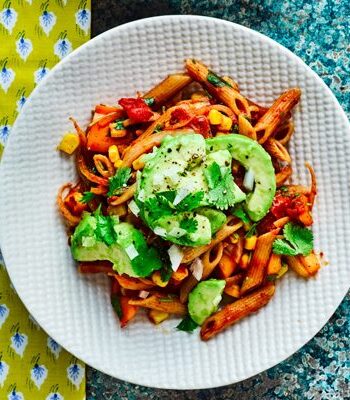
[{"x": 75, "y": 310}]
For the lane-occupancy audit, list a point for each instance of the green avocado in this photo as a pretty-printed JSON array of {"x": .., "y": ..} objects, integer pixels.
[
  {"x": 204, "y": 299},
  {"x": 99, "y": 237},
  {"x": 252, "y": 156},
  {"x": 215, "y": 217}
]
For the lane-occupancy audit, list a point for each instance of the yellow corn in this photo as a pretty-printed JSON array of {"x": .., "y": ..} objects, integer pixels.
[
  {"x": 113, "y": 153},
  {"x": 282, "y": 271},
  {"x": 157, "y": 279},
  {"x": 118, "y": 163},
  {"x": 138, "y": 164},
  {"x": 157, "y": 317},
  {"x": 215, "y": 117},
  {"x": 226, "y": 123},
  {"x": 244, "y": 261},
  {"x": 250, "y": 242},
  {"x": 198, "y": 96},
  {"x": 69, "y": 143}
]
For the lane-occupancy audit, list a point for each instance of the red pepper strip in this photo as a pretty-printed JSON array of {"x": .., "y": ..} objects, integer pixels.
[
  {"x": 201, "y": 125},
  {"x": 103, "y": 109},
  {"x": 83, "y": 169},
  {"x": 99, "y": 141},
  {"x": 136, "y": 109}
]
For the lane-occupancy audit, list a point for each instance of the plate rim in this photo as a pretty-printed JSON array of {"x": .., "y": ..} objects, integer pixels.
[{"x": 36, "y": 92}]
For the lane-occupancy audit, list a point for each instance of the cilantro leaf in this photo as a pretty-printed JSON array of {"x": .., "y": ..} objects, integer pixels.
[
  {"x": 158, "y": 206},
  {"x": 149, "y": 101},
  {"x": 166, "y": 270},
  {"x": 87, "y": 196},
  {"x": 216, "y": 80},
  {"x": 187, "y": 325},
  {"x": 190, "y": 202},
  {"x": 168, "y": 194},
  {"x": 240, "y": 213},
  {"x": 189, "y": 225},
  {"x": 158, "y": 128},
  {"x": 252, "y": 230},
  {"x": 119, "y": 124},
  {"x": 105, "y": 229},
  {"x": 223, "y": 192},
  {"x": 115, "y": 301},
  {"x": 118, "y": 181},
  {"x": 297, "y": 240}
]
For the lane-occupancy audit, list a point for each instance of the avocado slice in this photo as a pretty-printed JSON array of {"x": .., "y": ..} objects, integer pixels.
[
  {"x": 104, "y": 238},
  {"x": 215, "y": 217},
  {"x": 204, "y": 299},
  {"x": 252, "y": 156}
]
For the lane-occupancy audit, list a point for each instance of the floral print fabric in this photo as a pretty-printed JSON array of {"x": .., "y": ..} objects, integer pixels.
[{"x": 34, "y": 36}]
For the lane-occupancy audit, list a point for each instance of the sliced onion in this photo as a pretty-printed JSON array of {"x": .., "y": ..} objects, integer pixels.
[
  {"x": 134, "y": 208},
  {"x": 248, "y": 181},
  {"x": 131, "y": 251},
  {"x": 160, "y": 231},
  {"x": 177, "y": 232},
  {"x": 180, "y": 195},
  {"x": 143, "y": 294},
  {"x": 141, "y": 196},
  {"x": 197, "y": 268},
  {"x": 175, "y": 255}
]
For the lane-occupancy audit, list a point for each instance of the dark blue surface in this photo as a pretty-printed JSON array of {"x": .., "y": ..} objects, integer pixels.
[{"x": 318, "y": 32}]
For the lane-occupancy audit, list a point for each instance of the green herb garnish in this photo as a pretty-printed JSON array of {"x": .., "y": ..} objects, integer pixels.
[
  {"x": 149, "y": 101},
  {"x": 252, "y": 230},
  {"x": 118, "y": 124},
  {"x": 158, "y": 129},
  {"x": 240, "y": 213},
  {"x": 87, "y": 196},
  {"x": 119, "y": 181},
  {"x": 190, "y": 202},
  {"x": 189, "y": 225},
  {"x": 216, "y": 80},
  {"x": 116, "y": 305},
  {"x": 297, "y": 240},
  {"x": 187, "y": 325}
]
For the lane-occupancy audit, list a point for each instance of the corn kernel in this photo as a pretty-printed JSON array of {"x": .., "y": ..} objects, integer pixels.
[
  {"x": 215, "y": 117},
  {"x": 226, "y": 123},
  {"x": 138, "y": 164},
  {"x": 157, "y": 317},
  {"x": 197, "y": 96},
  {"x": 118, "y": 163},
  {"x": 69, "y": 143},
  {"x": 157, "y": 279},
  {"x": 250, "y": 242},
  {"x": 244, "y": 261},
  {"x": 113, "y": 153},
  {"x": 282, "y": 271}
]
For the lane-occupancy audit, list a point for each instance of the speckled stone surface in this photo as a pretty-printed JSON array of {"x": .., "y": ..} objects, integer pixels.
[{"x": 319, "y": 33}]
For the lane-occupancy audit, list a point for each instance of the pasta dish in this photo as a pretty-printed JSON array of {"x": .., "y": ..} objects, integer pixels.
[{"x": 184, "y": 200}]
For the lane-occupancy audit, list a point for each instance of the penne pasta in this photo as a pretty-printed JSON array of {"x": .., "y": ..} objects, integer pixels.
[
  {"x": 245, "y": 127},
  {"x": 310, "y": 263},
  {"x": 283, "y": 175},
  {"x": 277, "y": 150},
  {"x": 234, "y": 312},
  {"x": 268, "y": 123},
  {"x": 127, "y": 282},
  {"x": 257, "y": 269},
  {"x": 211, "y": 258},
  {"x": 157, "y": 301},
  {"x": 274, "y": 265},
  {"x": 295, "y": 263}
]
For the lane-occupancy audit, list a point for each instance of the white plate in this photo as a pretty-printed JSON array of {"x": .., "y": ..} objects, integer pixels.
[{"x": 75, "y": 309}]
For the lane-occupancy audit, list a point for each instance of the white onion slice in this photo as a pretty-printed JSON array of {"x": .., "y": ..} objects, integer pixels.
[
  {"x": 131, "y": 251},
  {"x": 160, "y": 231},
  {"x": 134, "y": 208},
  {"x": 248, "y": 181},
  {"x": 177, "y": 232},
  {"x": 197, "y": 268},
  {"x": 143, "y": 294},
  {"x": 175, "y": 255},
  {"x": 180, "y": 195},
  {"x": 141, "y": 195}
]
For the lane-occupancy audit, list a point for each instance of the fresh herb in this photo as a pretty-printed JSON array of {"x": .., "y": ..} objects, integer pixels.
[
  {"x": 223, "y": 191},
  {"x": 158, "y": 206},
  {"x": 119, "y": 124},
  {"x": 297, "y": 240},
  {"x": 190, "y": 202},
  {"x": 240, "y": 213},
  {"x": 87, "y": 196},
  {"x": 168, "y": 194},
  {"x": 216, "y": 80},
  {"x": 116, "y": 305},
  {"x": 252, "y": 230},
  {"x": 119, "y": 181},
  {"x": 105, "y": 229},
  {"x": 189, "y": 225},
  {"x": 271, "y": 278},
  {"x": 157, "y": 129},
  {"x": 149, "y": 101},
  {"x": 283, "y": 189},
  {"x": 187, "y": 324}
]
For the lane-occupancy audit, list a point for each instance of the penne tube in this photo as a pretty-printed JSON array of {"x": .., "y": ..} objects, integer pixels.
[
  {"x": 209, "y": 262},
  {"x": 268, "y": 123},
  {"x": 190, "y": 253},
  {"x": 284, "y": 132},
  {"x": 310, "y": 263},
  {"x": 168, "y": 88},
  {"x": 127, "y": 282},
  {"x": 127, "y": 195},
  {"x": 224, "y": 92},
  {"x": 187, "y": 287},
  {"x": 235, "y": 279},
  {"x": 157, "y": 301},
  {"x": 245, "y": 127},
  {"x": 281, "y": 222},
  {"x": 283, "y": 175},
  {"x": 294, "y": 262},
  {"x": 234, "y": 312},
  {"x": 313, "y": 189},
  {"x": 277, "y": 150},
  {"x": 257, "y": 267},
  {"x": 274, "y": 265},
  {"x": 233, "y": 291}
]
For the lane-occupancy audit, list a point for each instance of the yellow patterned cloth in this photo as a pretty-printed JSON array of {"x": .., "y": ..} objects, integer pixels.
[{"x": 34, "y": 36}]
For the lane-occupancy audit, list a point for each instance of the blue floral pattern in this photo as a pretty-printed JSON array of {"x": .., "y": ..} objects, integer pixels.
[
  {"x": 83, "y": 19},
  {"x": 24, "y": 47},
  {"x": 7, "y": 75},
  {"x": 75, "y": 373},
  {"x": 38, "y": 374},
  {"x": 54, "y": 347},
  {"x": 19, "y": 343},
  {"x": 8, "y": 17},
  {"x": 4, "y": 310},
  {"x": 62, "y": 47},
  {"x": 4, "y": 369},
  {"x": 47, "y": 20},
  {"x": 14, "y": 395}
]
